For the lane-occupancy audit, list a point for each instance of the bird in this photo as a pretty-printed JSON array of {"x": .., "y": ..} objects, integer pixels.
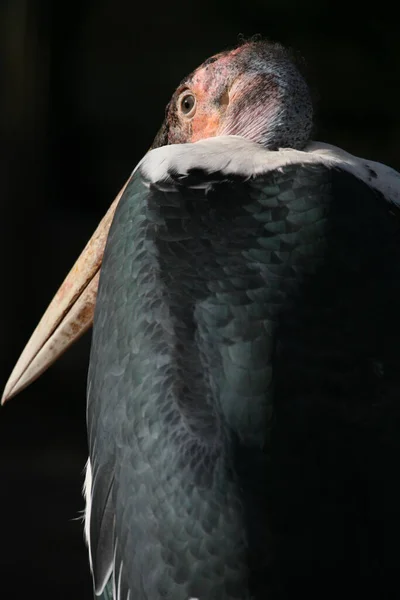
[{"x": 245, "y": 282}]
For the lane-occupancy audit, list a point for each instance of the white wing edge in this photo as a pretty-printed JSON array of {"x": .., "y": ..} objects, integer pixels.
[
  {"x": 234, "y": 155},
  {"x": 87, "y": 494}
]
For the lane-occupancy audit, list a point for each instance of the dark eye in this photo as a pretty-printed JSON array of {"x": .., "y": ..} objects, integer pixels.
[{"x": 187, "y": 104}]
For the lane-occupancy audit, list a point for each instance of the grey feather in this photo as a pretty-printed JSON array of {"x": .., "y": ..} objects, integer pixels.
[{"x": 199, "y": 339}]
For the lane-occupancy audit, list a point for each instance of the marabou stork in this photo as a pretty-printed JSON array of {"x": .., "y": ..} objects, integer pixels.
[{"x": 248, "y": 272}]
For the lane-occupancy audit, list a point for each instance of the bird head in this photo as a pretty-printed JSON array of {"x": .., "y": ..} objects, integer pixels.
[{"x": 255, "y": 91}]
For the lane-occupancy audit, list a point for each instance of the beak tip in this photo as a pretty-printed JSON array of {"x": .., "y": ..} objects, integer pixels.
[
  {"x": 7, "y": 394},
  {"x": 15, "y": 383},
  {"x": 69, "y": 314},
  {"x": 13, "y": 387}
]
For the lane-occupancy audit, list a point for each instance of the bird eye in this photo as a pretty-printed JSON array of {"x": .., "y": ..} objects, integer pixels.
[{"x": 187, "y": 104}]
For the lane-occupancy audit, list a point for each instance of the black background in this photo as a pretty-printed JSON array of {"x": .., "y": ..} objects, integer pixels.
[{"x": 83, "y": 85}]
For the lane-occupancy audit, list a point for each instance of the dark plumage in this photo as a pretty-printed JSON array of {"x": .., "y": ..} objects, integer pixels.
[
  {"x": 241, "y": 292},
  {"x": 227, "y": 313},
  {"x": 244, "y": 373}
]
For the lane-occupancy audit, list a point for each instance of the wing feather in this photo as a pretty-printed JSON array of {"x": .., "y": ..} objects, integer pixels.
[{"x": 259, "y": 221}]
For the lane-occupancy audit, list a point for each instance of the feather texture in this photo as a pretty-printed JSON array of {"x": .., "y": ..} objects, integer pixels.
[{"x": 235, "y": 282}]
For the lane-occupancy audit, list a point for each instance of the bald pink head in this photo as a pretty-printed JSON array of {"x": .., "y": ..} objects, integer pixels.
[{"x": 254, "y": 91}]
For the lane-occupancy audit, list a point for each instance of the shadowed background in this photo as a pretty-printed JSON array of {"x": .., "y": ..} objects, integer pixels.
[{"x": 83, "y": 86}]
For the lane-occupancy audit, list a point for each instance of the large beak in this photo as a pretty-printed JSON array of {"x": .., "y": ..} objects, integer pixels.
[{"x": 69, "y": 314}]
